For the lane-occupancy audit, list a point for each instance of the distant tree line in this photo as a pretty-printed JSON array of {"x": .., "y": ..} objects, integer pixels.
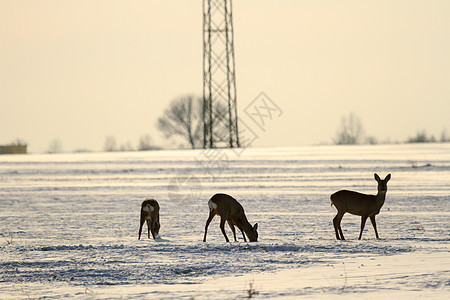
[
  {"x": 183, "y": 120},
  {"x": 351, "y": 132},
  {"x": 422, "y": 137},
  {"x": 145, "y": 144}
]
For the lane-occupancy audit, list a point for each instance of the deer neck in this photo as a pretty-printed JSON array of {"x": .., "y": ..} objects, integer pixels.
[
  {"x": 380, "y": 197},
  {"x": 246, "y": 226}
]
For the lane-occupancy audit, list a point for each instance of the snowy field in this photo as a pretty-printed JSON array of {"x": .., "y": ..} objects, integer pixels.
[{"x": 69, "y": 224}]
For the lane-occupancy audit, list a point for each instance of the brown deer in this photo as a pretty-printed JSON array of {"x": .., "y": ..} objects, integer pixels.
[
  {"x": 231, "y": 211},
  {"x": 150, "y": 214},
  {"x": 366, "y": 206}
]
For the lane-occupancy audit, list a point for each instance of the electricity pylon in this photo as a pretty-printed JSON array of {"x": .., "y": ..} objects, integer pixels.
[{"x": 219, "y": 78}]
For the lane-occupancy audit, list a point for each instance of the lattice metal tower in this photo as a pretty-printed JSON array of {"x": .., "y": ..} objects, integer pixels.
[{"x": 219, "y": 79}]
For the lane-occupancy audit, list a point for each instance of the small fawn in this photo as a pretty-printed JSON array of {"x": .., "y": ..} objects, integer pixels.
[
  {"x": 231, "y": 211},
  {"x": 366, "y": 206},
  {"x": 150, "y": 214}
]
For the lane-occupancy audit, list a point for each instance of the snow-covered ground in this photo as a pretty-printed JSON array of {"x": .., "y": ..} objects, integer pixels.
[{"x": 69, "y": 224}]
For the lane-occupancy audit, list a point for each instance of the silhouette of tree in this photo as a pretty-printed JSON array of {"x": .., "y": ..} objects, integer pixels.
[
  {"x": 421, "y": 137},
  {"x": 146, "y": 143},
  {"x": 184, "y": 119},
  {"x": 55, "y": 146},
  {"x": 350, "y": 131},
  {"x": 444, "y": 137},
  {"x": 110, "y": 144}
]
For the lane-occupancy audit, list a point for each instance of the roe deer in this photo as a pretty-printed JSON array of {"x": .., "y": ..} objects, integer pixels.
[
  {"x": 231, "y": 211},
  {"x": 150, "y": 213},
  {"x": 366, "y": 206}
]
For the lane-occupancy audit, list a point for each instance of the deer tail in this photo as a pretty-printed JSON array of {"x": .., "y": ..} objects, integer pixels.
[{"x": 212, "y": 205}]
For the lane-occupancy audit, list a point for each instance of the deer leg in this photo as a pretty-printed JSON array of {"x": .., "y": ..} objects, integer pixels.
[
  {"x": 337, "y": 226},
  {"x": 363, "y": 223},
  {"x": 157, "y": 225},
  {"x": 243, "y": 236},
  {"x": 211, "y": 216},
  {"x": 238, "y": 223},
  {"x": 335, "y": 222},
  {"x": 222, "y": 228},
  {"x": 232, "y": 229},
  {"x": 372, "y": 219},
  {"x": 140, "y": 228},
  {"x": 153, "y": 229},
  {"x": 242, "y": 231},
  {"x": 148, "y": 228},
  {"x": 340, "y": 228}
]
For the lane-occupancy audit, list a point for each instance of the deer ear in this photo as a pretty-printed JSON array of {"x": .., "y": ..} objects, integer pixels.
[
  {"x": 377, "y": 178},
  {"x": 388, "y": 177},
  {"x": 255, "y": 227}
]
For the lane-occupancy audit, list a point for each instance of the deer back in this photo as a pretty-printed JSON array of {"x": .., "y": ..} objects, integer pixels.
[
  {"x": 226, "y": 206},
  {"x": 354, "y": 202},
  {"x": 149, "y": 208}
]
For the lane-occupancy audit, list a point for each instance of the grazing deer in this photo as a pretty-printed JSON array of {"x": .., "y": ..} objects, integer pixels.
[
  {"x": 366, "y": 206},
  {"x": 231, "y": 211},
  {"x": 150, "y": 213}
]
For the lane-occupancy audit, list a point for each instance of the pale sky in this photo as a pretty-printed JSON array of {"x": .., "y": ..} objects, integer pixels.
[{"x": 79, "y": 71}]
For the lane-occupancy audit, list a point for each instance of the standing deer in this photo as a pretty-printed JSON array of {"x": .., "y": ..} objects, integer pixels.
[
  {"x": 231, "y": 211},
  {"x": 366, "y": 206},
  {"x": 150, "y": 213}
]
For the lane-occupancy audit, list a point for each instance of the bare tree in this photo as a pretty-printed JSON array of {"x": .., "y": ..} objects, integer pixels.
[
  {"x": 146, "y": 143},
  {"x": 444, "y": 136},
  {"x": 422, "y": 137},
  {"x": 55, "y": 146},
  {"x": 350, "y": 132},
  {"x": 126, "y": 147},
  {"x": 18, "y": 142},
  {"x": 184, "y": 119},
  {"x": 110, "y": 144}
]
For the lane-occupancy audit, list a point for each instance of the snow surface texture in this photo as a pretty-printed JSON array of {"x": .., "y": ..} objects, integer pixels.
[{"x": 69, "y": 224}]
